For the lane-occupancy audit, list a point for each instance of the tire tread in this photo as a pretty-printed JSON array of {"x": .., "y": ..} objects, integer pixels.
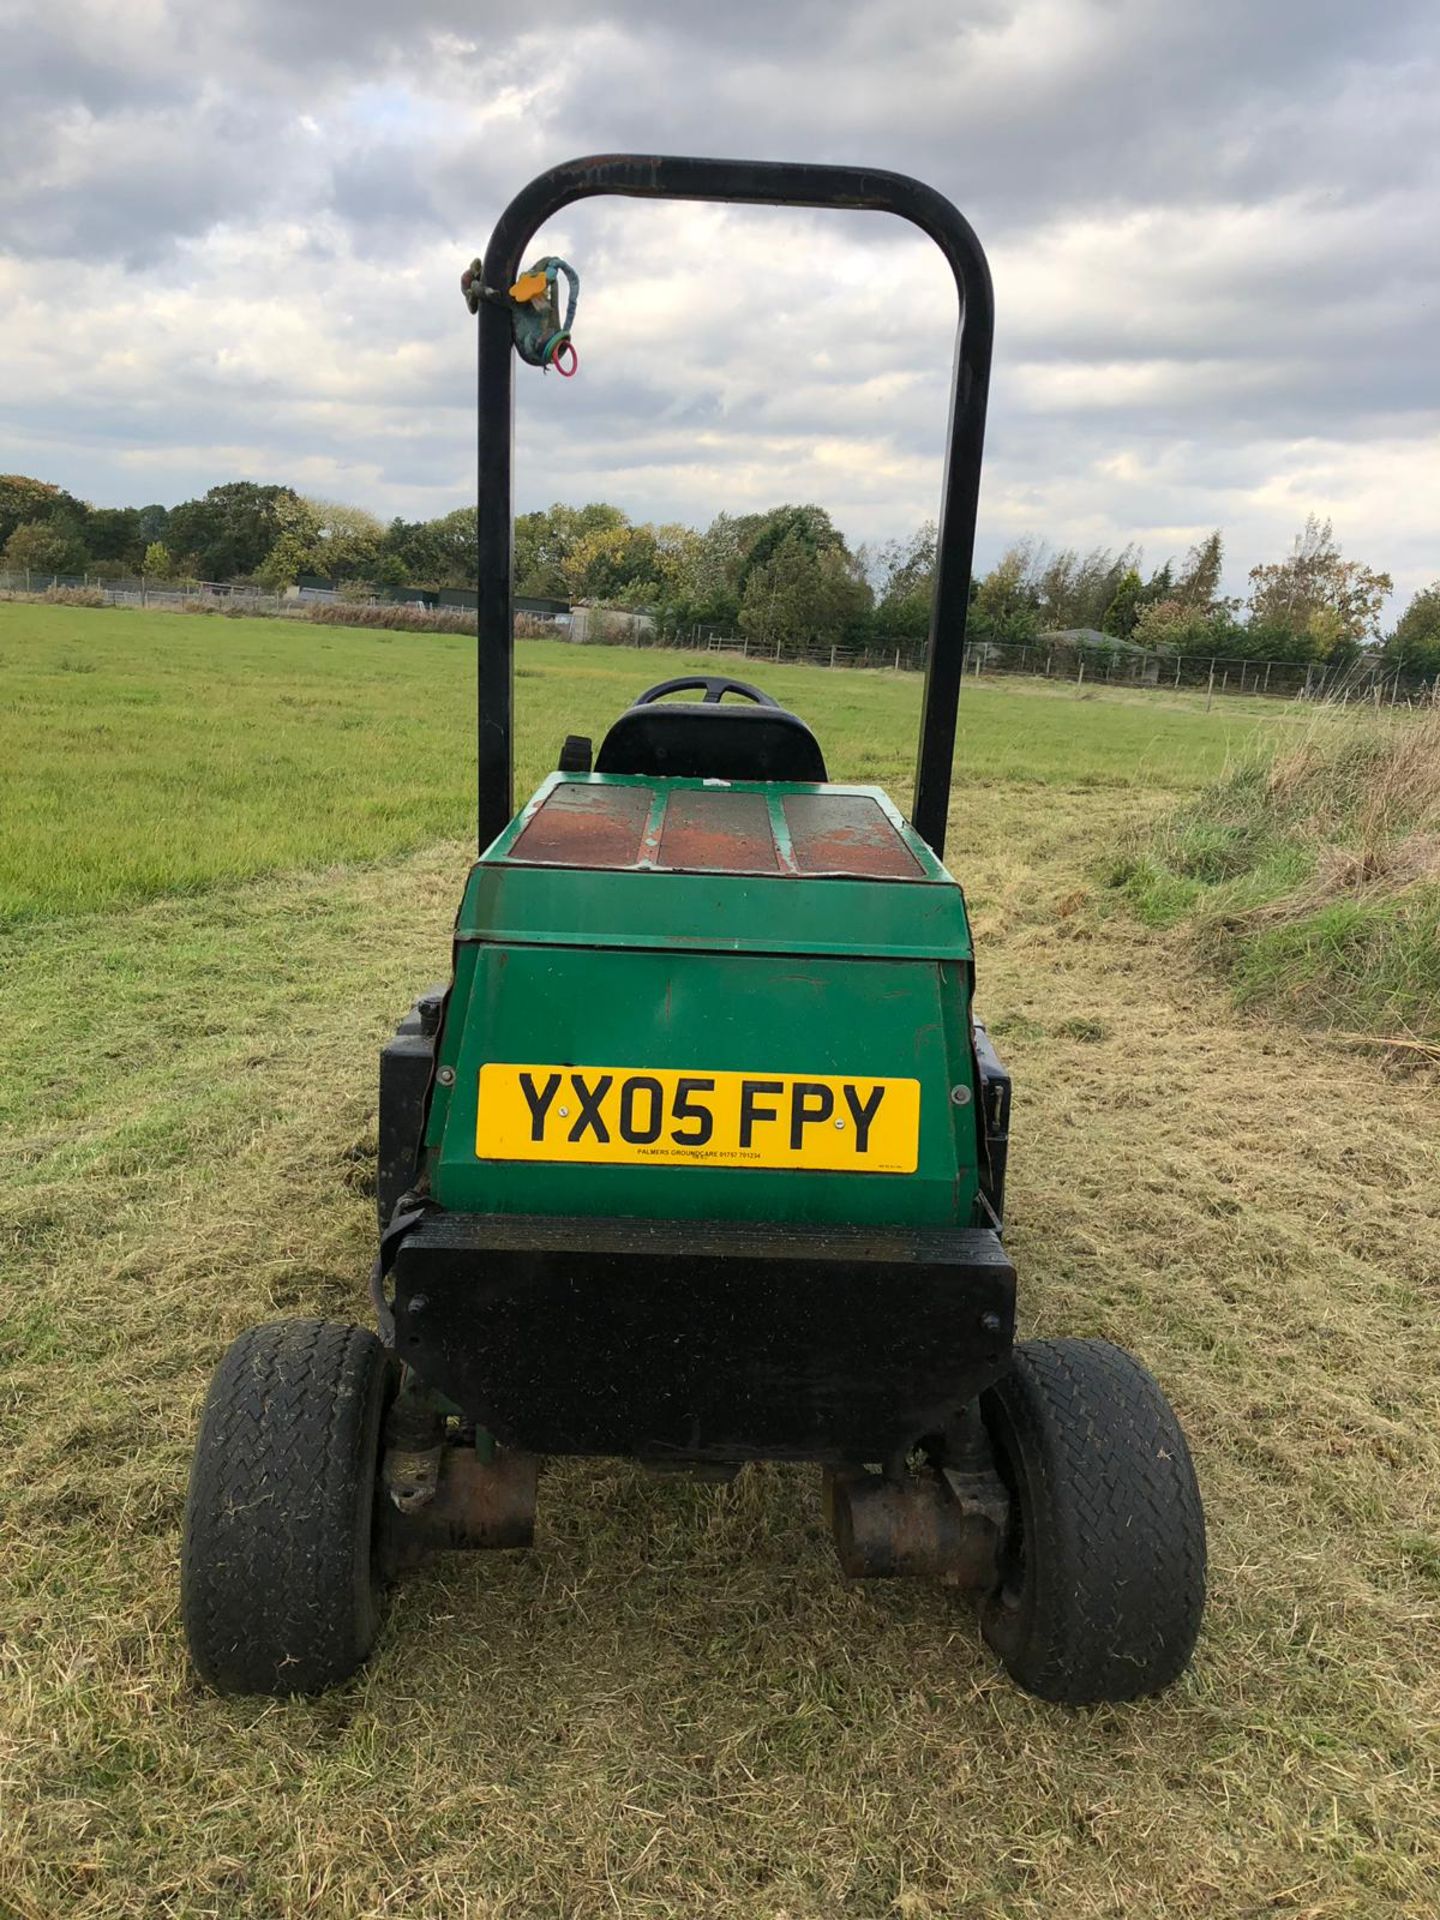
[
  {"x": 1116, "y": 1565},
  {"x": 277, "y": 1588}
]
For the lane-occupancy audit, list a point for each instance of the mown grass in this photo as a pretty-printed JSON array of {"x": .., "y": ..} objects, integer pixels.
[
  {"x": 145, "y": 754},
  {"x": 674, "y": 1706},
  {"x": 1313, "y": 878}
]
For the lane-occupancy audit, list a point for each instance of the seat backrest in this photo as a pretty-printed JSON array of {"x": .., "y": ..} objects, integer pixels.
[{"x": 704, "y": 740}]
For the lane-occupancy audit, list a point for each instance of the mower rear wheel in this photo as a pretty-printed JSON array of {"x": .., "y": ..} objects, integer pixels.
[
  {"x": 1103, "y": 1566},
  {"x": 281, "y": 1581}
]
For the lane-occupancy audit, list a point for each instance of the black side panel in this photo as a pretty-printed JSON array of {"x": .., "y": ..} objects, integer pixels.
[
  {"x": 691, "y": 1341},
  {"x": 406, "y": 1064},
  {"x": 995, "y": 1119}
]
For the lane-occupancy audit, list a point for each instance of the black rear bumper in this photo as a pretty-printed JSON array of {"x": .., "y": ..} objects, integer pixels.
[{"x": 701, "y": 1340}]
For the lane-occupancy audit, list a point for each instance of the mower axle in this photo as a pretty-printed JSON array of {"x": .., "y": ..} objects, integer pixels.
[{"x": 931, "y": 1525}]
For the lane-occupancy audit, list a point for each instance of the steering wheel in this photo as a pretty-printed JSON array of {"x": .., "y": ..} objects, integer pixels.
[{"x": 716, "y": 686}]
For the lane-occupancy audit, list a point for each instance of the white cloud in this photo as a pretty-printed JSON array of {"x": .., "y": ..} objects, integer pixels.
[{"x": 234, "y": 237}]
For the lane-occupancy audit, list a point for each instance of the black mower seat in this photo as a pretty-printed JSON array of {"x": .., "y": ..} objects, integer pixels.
[{"x": 705, "y": 740}]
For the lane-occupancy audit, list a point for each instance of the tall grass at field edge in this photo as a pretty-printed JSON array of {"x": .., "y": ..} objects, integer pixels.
[{"x": 1313, "y": 880}]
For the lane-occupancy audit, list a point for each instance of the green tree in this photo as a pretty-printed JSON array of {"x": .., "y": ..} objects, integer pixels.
[
  {"x": 113, "y": 533},
  {"x": 23, "y": 499},
  {"x": 809, "y": 526},
  {"x": 434, "y": 553},
  {"x": 644, "y": 566},
  {"x": 286, "y": 561},
  {"x": 1414, "y": 646},
  {"x": 709, "y": 590},
  {"x": 158, "y": 562},
  {"x": 1170, "y": 626},
  {"x": 1124, "y": 609},
  {"x": 1076, "y": 590},
  {"x": 800, "y": 596},
  {"x": 325, "y": 537},
  {"x": 544, "y": 542},
  {"x": 611, "y": 565},
  {"x": 907, "y": 585},
  {"x": 231, "y": 529},
  {"x": 1318, "y": 594},
  {"x": 1005, "y": 605},
  {"x": 44, "y": 546},
  {"x": 1199, "y": 582}
]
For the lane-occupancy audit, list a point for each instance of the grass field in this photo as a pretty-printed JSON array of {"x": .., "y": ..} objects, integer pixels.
[
  {"x": 231, "y": 854},
  {"x": 147, "y": 754}
]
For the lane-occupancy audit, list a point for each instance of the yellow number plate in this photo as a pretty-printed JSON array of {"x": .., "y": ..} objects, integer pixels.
[{"x": 626, "y": 1115}]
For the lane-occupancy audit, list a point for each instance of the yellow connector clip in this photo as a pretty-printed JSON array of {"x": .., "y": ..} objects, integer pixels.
[{"x": 530, "y": 286}]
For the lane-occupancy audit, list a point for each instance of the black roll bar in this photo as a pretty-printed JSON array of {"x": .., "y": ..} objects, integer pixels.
[{"x": 772, "y": 183}]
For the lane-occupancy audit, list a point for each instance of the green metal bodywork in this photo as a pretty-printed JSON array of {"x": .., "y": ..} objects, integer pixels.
[{"x": 711, "y": 971}]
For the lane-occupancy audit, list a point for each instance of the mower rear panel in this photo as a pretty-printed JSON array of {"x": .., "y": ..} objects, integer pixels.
[
  {"x": 701, "y": 1342},
  {"x": 812, "y": 1284},
  {"x": 592, "y": 954}
]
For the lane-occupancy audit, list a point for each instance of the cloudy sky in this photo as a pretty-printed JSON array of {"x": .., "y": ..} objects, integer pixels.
[{"x": 231, "y": 234}]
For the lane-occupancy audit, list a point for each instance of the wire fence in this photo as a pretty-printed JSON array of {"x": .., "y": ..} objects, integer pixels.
[
  {"x": 1087, "y": 665},
  {"x": 145, "y": 590},
  {"x": 1092, "y": 666}
]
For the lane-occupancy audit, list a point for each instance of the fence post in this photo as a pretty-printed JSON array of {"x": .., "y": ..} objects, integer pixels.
[
  {"x": 1080, "y": 677},
  {"x": 1210, "y": 690},
  {"x": 1179, "y": 662},
  {"x": 1268, "y": 665}
]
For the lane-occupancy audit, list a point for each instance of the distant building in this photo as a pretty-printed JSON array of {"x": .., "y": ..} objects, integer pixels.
[
  {"x": 612, "y": 624},
  {"x": 1144, "y": 669}
]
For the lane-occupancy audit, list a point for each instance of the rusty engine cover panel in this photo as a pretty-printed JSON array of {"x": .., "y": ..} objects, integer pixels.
[
  {"x": 710, "y": 830},
  {"x": 578, "y": 825},
  {"x": 692, "y": 828},
  {"x": 847, "y": 833}
]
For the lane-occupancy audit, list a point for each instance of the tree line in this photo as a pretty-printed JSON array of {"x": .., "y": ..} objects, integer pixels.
[{"x": 785, "y": 579}]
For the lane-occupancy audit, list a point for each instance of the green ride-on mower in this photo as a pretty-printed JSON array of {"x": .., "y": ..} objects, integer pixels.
[{"x": 699, "y": 1156}]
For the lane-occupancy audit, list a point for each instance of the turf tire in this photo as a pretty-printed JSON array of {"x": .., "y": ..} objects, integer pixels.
[
  {"x": 1103, "y": 1581},
  {"x": 281, "y": 1586}
]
